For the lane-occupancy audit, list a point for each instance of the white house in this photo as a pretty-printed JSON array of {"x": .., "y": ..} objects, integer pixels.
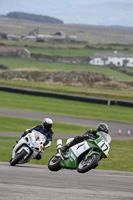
[{"x": 112, "y": 59}]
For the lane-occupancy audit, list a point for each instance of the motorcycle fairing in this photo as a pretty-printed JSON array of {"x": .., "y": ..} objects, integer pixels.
[
  {"x": 79, "y": 148},
  {"x": 71, "y": 162},
  {"x": 74, "y": 153}
]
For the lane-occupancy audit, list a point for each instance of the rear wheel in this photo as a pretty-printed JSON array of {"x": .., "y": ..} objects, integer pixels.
[
  {"x": 18, "y": 158},
  {"x": 88, "y": 163},
  {"x": 54, "y": 163}
]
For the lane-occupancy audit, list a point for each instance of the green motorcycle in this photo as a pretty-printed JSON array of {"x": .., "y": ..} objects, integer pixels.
[{"x": 83, "y": 156}]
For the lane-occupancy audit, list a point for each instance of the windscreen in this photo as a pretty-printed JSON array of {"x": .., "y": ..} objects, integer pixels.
[
  {"x": 39, "y": 136},
  {"x": 107, "y": 137}
]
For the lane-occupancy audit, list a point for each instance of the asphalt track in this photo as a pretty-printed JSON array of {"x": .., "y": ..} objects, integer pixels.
[{"x": 36, "y": 182}]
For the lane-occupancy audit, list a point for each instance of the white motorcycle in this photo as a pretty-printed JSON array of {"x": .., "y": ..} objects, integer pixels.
[{"x": 28, "y": 148}]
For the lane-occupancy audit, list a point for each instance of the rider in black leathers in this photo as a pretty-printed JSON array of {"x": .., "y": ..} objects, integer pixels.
[{"x": 90, "y": 134}]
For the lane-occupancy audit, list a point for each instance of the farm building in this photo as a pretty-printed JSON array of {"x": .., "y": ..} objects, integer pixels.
[
  {"x": 64, "y": 37},
  {"x": 29, "y": 38},
  {"x": 58, "y": 36},
  {"x": 14, "y": 52},
  {"x": 112, "y": 59},
  {"x": 13, "y": 37},
  {"x": 3, "y": 36}
]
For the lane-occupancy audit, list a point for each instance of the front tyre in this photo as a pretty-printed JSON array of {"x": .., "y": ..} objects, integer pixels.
[
  {"x": 88, "y": 163},
  {"x": 18, "y": 158},
  {"x": 54, "y": 163}
]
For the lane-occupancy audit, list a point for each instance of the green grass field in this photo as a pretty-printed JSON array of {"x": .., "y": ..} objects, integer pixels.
[
  {"x": 65, "y": 107},
  {"x": 43, "y": 45},
  {"x": 66, "y": 45},
  {"x": 121, "y": 153},
  {"x": 115, "y": 94},
  {"x": 23, "y": 124},
  {"x": 119, "y": 159},
  {"x": 71, "y": 52},
  {"x": 65, "y": 52},
  {"x": 28, "y": 64},
  {"x": 69, "y": 49},
  {"x": 120, "y": 150}
]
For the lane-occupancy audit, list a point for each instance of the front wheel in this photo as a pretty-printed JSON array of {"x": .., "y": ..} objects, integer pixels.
[
  {"x": 88, "y": 163},
  {"x": 54, "y": 163},
  {"x": 18, "y": 158}
]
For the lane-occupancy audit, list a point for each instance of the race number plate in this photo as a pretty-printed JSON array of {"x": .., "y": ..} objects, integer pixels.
[{"x": 104, "y": 147}]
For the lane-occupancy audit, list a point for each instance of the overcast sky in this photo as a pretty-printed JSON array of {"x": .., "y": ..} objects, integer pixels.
[{"x": 93, "y": 12}]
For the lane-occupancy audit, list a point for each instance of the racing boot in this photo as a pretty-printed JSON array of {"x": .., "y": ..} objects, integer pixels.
[
  {"x": 65, "y": 148},
  {"x": 39, "y": 156},
  {"x": 64, "y": 151}
]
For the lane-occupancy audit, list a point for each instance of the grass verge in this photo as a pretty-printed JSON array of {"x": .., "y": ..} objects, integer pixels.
[
  {"x": 13, "y": 124},
  {"x": 65, "y": 107},
  {"x": 116, "y": 94},
  {"x": 116, "y": 161}
]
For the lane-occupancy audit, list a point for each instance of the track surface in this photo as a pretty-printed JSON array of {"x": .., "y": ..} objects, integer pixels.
[
  {"x": 113, "y": 126},
  {"x": 36, "y": 182}
]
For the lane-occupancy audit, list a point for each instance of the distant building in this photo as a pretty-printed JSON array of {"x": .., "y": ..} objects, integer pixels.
[
  {"x": 44, "y": 38},
  {"x": 13, "y": 37},
  {"x": 29, "y": 38},
  {"x": 60, "y": 35},
  {"x": 7, "y": 52},
  {"x": 3, "y": 36},
  {"x": 112, "y": 59},
  {"x": 35, "y": 36},
  {"x": 57, "y": 36}
]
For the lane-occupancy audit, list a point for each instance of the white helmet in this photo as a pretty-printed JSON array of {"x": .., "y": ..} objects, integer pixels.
[{"x": 47, "y": 123}]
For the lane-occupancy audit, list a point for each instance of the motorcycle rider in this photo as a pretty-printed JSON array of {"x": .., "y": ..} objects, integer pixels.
[
  {"x": 90, "y": 134},
  {"x": 45, "y": 129}
]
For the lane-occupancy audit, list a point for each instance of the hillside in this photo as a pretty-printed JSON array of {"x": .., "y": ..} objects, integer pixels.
[
  {"x": 91, "y": 34},
  {"x": 33, "y": 17}
]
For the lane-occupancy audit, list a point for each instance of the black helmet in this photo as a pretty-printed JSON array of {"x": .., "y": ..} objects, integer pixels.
[
  {"x": 103, "y": 127},
  {"x": 47, "y": 123}
]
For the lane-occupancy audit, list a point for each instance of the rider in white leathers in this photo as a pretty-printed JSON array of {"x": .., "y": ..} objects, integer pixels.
[{"x": 45, "y": 129}]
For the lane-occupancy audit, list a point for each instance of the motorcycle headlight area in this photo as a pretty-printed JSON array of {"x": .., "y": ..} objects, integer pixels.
[
  {"x": 36, "y": 145},
  {"x": 32, "y": 144}
]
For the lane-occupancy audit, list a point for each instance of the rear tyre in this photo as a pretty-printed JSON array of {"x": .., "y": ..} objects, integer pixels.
[
  {"x": 88, "y": 163},
  {"x": 18, "y": 158},
  {"x": 54, "y": 163}
]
